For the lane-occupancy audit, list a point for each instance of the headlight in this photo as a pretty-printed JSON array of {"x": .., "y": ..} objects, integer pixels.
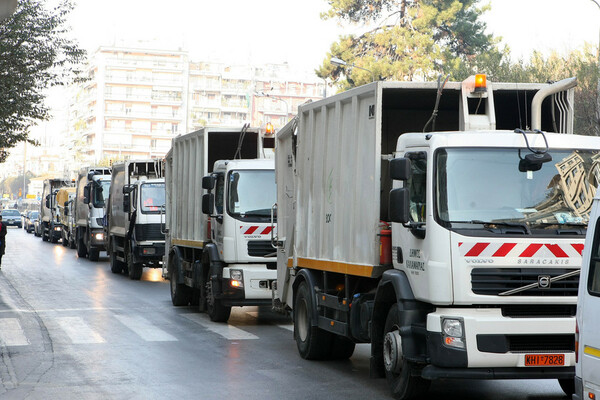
[
  {"x": 99, "y": 236},
  {"x": 148, "y": 250},
  {"x": 57, "y": 228},
  {"x": 237, "y": 278},
  {"x": 453, "y": 332}
]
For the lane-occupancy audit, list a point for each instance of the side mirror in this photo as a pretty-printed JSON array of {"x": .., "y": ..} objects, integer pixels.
[
  {"x": 127, "y": 189},
  {"x": 86, "y": 194},
  {"x": 48, "y": 201},
  {"x": 66, "y": 211},
  {"x": 208, "y": 182},
  {"x": 126, "y": 201},
  {"x": 399, "y": 205},
  {"x": 400, "y": 169},
  {"x": 208, "y": 203}
]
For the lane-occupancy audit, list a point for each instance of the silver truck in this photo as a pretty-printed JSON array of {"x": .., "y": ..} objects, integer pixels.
[
  {"x": 135, "y": 210},
  {"x": 93, "y": 187},
  {"x": 51, "y": 227}
]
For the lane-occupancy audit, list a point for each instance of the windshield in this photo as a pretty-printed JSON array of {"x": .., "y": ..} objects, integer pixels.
[
  {"x": 11, "y": 213},
  {"x": 486, "y": 186},
  {"x": 33, "y": 215},
  {"x": 251, "y": 193},
  {"x": 101, "y": 190},
  {"x": 152, "y": 197}
]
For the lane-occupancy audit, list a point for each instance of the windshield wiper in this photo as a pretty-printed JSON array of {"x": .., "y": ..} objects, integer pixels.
[
  {"x": 258, "y": 213},
  {"x": 487, "y": 224}
]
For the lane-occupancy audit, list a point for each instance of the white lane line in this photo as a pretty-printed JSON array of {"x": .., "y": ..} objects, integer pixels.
[
  {"x": 11, "y": 333},
  {"x": 289, "y": 326},
  {"x": 78, "y": 331},
  {"x": 145, "y": 329},
  {"x": 227, "y": 331}
]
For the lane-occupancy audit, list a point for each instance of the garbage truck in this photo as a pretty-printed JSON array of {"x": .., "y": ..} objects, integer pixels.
[
  {"x": 134, "y": 236},
  {"x": 93, "y": 188},
  {"x": 443, "y": 223},
  {"x": 51, "y": 226},
  {"x": 64, "y": 200},
  {"x": 218, "y": 244}
]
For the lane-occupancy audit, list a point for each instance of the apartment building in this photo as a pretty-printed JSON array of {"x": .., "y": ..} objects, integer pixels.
[
  {"x": 134, "y": 101},
  {"x": 131, "y": 105}
]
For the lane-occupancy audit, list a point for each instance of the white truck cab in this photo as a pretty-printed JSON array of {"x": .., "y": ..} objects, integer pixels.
[{"x": 587, "y": 369}]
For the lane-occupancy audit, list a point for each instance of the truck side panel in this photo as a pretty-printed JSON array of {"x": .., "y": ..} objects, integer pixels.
[
  {"x": 335, "y": 151},
  {"x": 118, "y": 217}
]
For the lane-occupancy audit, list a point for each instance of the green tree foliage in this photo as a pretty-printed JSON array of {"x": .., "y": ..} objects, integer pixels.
[
  {"x": 35, "y": 54},
  {"x": 407, "y": 39}
]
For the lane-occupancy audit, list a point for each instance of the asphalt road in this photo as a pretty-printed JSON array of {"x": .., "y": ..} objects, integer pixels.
[{"x": 70, "y": 329}]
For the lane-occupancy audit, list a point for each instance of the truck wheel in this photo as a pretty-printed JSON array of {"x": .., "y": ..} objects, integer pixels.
[
  {"x": 214, "y": 307},
  {"x": 180, "y": 294},
  {"x": 44, "y": 237},
  {"x": 403, "y": 376},
  {"x": 93, "y": 254},
  {"x": 135, "y": 269},
  {"x": 81, "y": 249},
  {"x": 64, "y": 241},
  {"x": 568, "y": 386},
  {"x": 116, "y": 266},
  {"x": 72, "y": 244},
  {"x": 313, "y": 342}
]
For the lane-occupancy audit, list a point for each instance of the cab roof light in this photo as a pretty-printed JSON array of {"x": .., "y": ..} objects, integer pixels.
[{"x": 480, "y": 83}]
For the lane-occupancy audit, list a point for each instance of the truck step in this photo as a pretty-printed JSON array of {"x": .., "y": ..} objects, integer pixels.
[
  {"x": 333, "y": 302},
  {"x": 331, "y": 325}
]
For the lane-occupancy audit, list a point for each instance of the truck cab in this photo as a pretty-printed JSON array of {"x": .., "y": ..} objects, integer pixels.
[{"x": 240, "y": 200}]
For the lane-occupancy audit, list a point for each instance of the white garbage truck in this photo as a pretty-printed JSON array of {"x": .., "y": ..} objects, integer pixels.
[
  {"x": 93, "y": 189},
  {"x": 441, "y": 223},
  {"x": 218, "y": 244},
  {"x": 134, "y": 236},
  {"x": 50, "y": 209}
]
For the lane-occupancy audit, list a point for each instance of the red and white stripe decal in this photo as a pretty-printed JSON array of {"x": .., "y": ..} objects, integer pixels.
[
  {"x": 255, "y": 230},
  {"x": 524, "y": 250}
]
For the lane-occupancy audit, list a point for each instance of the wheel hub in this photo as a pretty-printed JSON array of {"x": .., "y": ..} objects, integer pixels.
[{"x": 392, "y": 352}]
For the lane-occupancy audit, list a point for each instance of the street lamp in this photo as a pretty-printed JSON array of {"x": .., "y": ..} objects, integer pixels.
[
  {"x": 342, "y": 63},
  {"x": 598, "y": 99},
  {"x": 287, "y": 109}
]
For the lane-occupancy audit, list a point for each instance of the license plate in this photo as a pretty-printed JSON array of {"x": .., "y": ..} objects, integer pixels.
[{"x": 534, "y": 360}]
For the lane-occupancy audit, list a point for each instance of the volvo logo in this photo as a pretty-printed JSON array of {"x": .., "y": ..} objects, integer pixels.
[{"x": 544, "y": 281}]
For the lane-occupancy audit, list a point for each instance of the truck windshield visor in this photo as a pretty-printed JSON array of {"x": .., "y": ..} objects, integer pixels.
[
  {"x": 252, "y": 193},
  {"x": 152, "y": 197},
  {"x": 101, "y": 192},
  {"x": 483, "y": 187}
]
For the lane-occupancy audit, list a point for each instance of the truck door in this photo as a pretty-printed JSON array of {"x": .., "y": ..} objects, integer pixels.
[
  {"x": 589, "y": 321},
  {"x": 410, "y": 241},
  {"x": 217, "y": 225}
]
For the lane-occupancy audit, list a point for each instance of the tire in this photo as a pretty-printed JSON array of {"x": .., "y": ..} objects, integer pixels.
[
  {"x": 93, "y": 254},
  {"x": 135, "y": 269},
  {"x": 568, "y": 386},
  {"x": 72, "y": 243},
  {"x": 214, "y": 307},
  {"x": 44, "y": 236},
  {"x": 403, "y": 376},
  {"x": 180, "y": 294},
  {"x": 116, "y": 266},
  {"x": 313, "y": 342},
  {"x": 81, "y": 249},
  {"x": 64, "y": 241}
]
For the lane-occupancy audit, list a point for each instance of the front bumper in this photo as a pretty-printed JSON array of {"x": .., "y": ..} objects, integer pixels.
[
  {"x": 149, "y": 254},
  {"x": 256, "y": 289},
  {"x": 496, "y": 346},
  {"x": 12, "y": 222}
]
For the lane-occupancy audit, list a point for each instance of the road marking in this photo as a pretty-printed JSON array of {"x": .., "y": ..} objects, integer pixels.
[
  {"x": 145, "y": 329},
  {"x": 289, "y": 326},
  {"x": 78, "y": 331},
  {"x": 227, "y": 331},
  {"x": 11, "y": 333}
]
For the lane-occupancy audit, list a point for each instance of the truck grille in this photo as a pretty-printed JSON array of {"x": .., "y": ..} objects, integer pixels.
[
  {"x": 260, "y": 248},
  {"x": 525, "y": 343},
  {"x": 493, "y": 281},
  {"x": 539, "y": 310},
  {"x": 148, "y": 232}
]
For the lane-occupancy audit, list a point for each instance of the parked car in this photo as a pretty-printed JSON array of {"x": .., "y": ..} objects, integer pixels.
[
  {"x": 12, "y": 217},
  {"x": 30, "y": 219}
]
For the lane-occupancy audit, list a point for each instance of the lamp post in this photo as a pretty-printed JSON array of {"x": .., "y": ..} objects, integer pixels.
[
  {"x": 342, "y": 63},
  {"x": 287, "y": 109},
  {"x": 598, "y": 98}
]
